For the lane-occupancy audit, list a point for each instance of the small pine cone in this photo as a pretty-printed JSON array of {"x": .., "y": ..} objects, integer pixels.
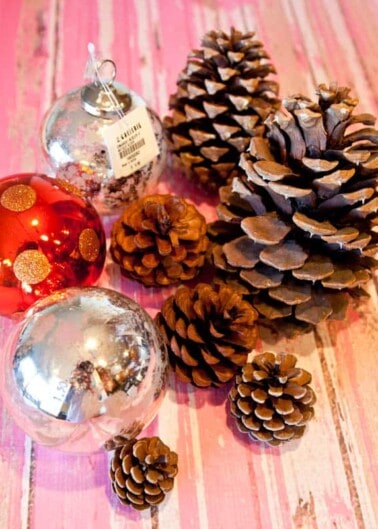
[
  {"x": 271, "y": 399},
  {"x": 209, "y": 332},
  {"x": 160, "y": 240},
  {"x": 299, "y": 227},
  {"x": 223, "y": 98},
  {"x": 142, "y": 472}
]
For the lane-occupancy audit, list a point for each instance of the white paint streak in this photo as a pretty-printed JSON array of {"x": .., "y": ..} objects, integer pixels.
[
  {"x": 142, "y": 8},
  {"x": 350, "y": 57},
  {"x": 50, "y": 67},
  {"x": 351, "y": 442},
  {"x": 161, "y": 97},
  {"x": 310, "y": 42},
  {"x": 225, "y": 21},
  {"x": 304, "y": 73},
  {"x": 311, "y": 469},
  {"x": 106, "y": 28},
  {"x": 246, "y": 18},
  {"x": 169, "y": 511},
  {"x": 210, "y": 17},
  {"x": 274, "y": 494},
  {"x": 25, "y": 483},
  {"x": 197, "y": 462},
  {"x": 198, "y": 23}
]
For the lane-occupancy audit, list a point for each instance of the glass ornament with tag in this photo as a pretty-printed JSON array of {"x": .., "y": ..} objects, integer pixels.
[{"x": 102, "y": 138}]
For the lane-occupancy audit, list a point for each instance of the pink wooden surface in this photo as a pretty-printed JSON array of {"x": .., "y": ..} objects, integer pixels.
[{"x": 327, "y": 480}]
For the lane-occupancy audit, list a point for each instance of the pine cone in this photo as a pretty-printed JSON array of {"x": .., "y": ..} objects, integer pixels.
[
  {"x": 142, "y": 472},
  {"x": 271, "y": 399},
  {"x": 222, "y": 99},
  {"x": 209, "y": 332},
  {"x": 159, "y": 240},
  {"x": 298, "y": 228}
]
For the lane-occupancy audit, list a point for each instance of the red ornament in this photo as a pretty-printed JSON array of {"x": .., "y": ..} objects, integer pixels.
[{"x": 50, "y": 238}]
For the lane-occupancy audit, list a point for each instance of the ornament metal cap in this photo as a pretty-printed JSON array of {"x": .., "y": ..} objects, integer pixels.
[{"x": 105, "y": 97}]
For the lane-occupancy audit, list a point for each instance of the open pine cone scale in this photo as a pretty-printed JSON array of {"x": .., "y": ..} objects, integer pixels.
[
  {"x": 209, "y": 333},
  {"x": 160, "y": 240},
  {"x": 271, "y": 399},
  {"x": 222, "y": 99},
  {"x": 142, "y": 471},
  {"x": 298, "y": 227}
]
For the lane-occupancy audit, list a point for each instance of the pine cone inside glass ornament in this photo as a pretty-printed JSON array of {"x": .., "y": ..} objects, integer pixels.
[
  {"x": 271, "y": 399},
  {"x": 160, "y": 240},
  {"x": 142, "y": 472},
  {"x": 223, "y": 98},
  {"x": 209, "y": 332},
  {"x": 298, "y": 229}
]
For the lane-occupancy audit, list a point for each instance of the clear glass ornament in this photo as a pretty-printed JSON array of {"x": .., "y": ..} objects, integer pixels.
[
  {"x": 84, "y": 365},
  {"x": 73, "y": 142}
]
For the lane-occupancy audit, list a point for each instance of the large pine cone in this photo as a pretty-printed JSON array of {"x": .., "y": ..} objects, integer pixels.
[
  {"x": 222, "y": 99},
  {"x": 271, "y": 399},
  {"x": 298, "y": 228},
  {"x": 209, "y": 332},
  {"x": 160, "y": 240},
  {"x": 142, "y": 472}
]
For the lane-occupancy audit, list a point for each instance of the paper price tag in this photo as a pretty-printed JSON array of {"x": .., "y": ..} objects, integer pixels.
[{"x": 131, "y": 142}]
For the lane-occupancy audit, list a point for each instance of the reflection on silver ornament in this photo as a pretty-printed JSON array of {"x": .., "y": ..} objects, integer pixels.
[
  {"x": 73, "y": 142},
  {"x": 84, "y": 365}
]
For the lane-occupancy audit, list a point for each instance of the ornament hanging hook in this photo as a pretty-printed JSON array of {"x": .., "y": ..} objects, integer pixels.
[
  {"x": 100, "y": 71},
  {"x": 103, "y": 75},
  {"x": 96, "y": 70}
]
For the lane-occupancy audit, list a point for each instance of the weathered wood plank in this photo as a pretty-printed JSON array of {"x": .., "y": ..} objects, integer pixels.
[{"x": 328, "y": 479}]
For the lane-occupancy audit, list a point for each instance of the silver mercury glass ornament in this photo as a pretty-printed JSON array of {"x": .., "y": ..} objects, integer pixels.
[
  {"x": 73, "y": 143},
  {"x": 84, "y": 365}
]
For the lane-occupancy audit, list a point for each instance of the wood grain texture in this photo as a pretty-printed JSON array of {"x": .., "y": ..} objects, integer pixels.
[{"x": 328, "y": 479}]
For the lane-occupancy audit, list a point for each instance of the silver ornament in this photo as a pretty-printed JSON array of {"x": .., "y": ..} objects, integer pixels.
[
  {"x": 84, "y": 365},
  {"x": 73, "y": 143}
]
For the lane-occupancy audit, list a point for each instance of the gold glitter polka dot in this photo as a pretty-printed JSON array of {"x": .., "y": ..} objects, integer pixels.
[
  {"x": 19, "y": 197},
  {"x": 69, "y": 187},
  {"x": 89, "y": 245},
  {"x": 31, "y": 266}
]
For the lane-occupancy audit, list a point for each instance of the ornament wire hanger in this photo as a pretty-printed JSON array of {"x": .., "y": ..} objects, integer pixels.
[{"x": 94, "y": 70}]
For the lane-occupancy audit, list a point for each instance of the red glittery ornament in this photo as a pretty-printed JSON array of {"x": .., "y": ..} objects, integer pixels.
[{"x": 50, "y": 238}]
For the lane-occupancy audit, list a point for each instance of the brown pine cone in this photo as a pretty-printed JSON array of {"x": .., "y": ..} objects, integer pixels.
[
  {"x": 271, "y": 399},
  {"x": 159, "y": 240},
  {"x": 209, "y": 332},
  {"x": 142, "y": 472},
  {"x": 298, "y": 228},
  {"x": 223, "y": 98}
]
